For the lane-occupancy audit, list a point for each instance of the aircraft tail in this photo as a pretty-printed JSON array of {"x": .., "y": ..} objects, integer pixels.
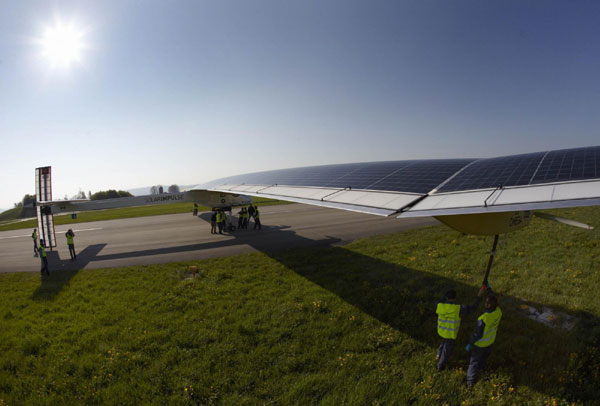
[{"x": 43, "y": 191}]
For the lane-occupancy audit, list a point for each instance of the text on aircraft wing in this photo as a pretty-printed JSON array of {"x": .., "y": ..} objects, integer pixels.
[{"x": 560, "y": 178}]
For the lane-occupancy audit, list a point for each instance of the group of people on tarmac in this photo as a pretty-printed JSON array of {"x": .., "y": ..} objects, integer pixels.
[
  {"x": 218, "y": 220},
  {"x": 39, "y": 249},
  {"x": 481, "y": 342},
  {"x": 244, "y": 216}
]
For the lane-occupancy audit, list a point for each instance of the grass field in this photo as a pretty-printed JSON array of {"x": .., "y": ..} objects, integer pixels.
[
  {"x": 350, "y": 325},
  {"x": 11, "y": 214},
  {"x": 127, "y": 212}
]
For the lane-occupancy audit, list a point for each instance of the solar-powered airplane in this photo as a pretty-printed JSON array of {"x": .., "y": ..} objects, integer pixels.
[{"x": 489, "y": 196}]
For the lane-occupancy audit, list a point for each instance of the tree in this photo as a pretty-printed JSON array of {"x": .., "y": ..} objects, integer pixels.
[
  {"x": 154, "y": 190},
  {"x": 173, "y": 189},
  {"x": 28, "y": 200},
  {"x": 110, "y": 194},
  {"x": 160, "y": 190}
]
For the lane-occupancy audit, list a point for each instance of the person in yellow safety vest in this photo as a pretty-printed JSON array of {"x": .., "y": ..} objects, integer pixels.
[
  {"x": 220, "y": 220},
  {"x": 449, "y": 315},
  {"x": 43, "y": 258},
  {"x": 71, "y": 243},
  {"x": 240, "y": 219},
  {"x": 34, "y": 236},
  {"x": 213, "y": 223},
  {"x": 484, "y": 337},
  {"x": 245, "y": 216},
  {"x": 224, "y": 220},
  {"x": 257, "y": 218}
]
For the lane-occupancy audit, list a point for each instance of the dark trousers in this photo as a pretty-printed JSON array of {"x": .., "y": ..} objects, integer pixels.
[
  {"x": 72, "y": 251},
  {"x": 477, "y": 362},
  {"x": 45, "y": 266},
  {"x": 257, "y": 223},
  {"x": 221, "y": 225},
  {"x": 35, "y": 248},
  {"x": 444, "y": 352}
]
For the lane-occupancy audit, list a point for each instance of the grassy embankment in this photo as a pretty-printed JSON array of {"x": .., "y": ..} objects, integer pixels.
[
  {"x": 126, "y": 212},
  {"x": 16, "y": 213},
  {"x": 334, "y": 325},
  {"x": 11, "y": 214}
]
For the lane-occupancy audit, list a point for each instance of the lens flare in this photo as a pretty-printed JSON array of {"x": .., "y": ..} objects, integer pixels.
[{"x": 62, "y": 44}]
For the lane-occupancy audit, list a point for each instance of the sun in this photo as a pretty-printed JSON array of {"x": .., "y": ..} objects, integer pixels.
[{"x": 62, "y": 44}]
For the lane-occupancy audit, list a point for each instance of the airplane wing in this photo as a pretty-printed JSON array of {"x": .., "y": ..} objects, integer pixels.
[{"x": 435, "y": 187}]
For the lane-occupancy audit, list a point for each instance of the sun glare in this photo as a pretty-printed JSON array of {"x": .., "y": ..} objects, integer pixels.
[{"x": 62, "y": 44}]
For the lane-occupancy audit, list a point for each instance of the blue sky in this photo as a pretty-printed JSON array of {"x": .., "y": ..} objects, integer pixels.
[{"x": 188, "y": 91}]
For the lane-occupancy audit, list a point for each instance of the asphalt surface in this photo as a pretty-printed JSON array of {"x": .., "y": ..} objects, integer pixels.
[{"x": 183, "y": 237}]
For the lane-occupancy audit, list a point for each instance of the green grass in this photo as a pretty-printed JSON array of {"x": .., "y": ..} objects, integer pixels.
[
  {"x": 11, "y": 214},
  {"x": 126, "y": 212},
  {"x": 348, "y": 325}
]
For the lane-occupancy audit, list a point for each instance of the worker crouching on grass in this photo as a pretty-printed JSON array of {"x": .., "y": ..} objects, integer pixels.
[
  {"x": 449, "y": 315},
  {"x": 484, "y": 337}
]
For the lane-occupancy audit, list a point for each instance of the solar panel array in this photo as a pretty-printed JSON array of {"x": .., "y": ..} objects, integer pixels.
[
  {"x": 570, "y": 164},
  {"x": 493, "y": 172},
  {"x": 422, "y": 176},
  {"x": 399, "y": 176},
  {"x": 527, "y": 169}
]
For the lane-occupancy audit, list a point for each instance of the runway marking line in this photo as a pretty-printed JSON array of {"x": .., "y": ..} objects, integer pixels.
[{"x": 29, "y": 235}]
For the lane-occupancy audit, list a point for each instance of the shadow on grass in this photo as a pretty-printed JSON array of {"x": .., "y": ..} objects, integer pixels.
[
  {"x": 535, "y": 355},
  {"x": 404, "y": 298},
  {"x": 62, "y": 270}
]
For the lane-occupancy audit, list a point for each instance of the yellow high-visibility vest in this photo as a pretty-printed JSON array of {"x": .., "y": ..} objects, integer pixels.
[
  {"x": 70, "y": 239},
  {"x": 492, "y": 321},
  {"x": 448, "y": 320}
]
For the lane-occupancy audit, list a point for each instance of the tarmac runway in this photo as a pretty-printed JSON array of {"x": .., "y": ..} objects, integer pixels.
[{"x": 183, "y": 237}]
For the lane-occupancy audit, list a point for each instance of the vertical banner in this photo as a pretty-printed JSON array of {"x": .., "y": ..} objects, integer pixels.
[{"x": 43, "y": 192}]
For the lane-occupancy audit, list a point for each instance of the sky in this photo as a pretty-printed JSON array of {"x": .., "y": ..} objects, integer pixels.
[{"x": 163, "y": 92}]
